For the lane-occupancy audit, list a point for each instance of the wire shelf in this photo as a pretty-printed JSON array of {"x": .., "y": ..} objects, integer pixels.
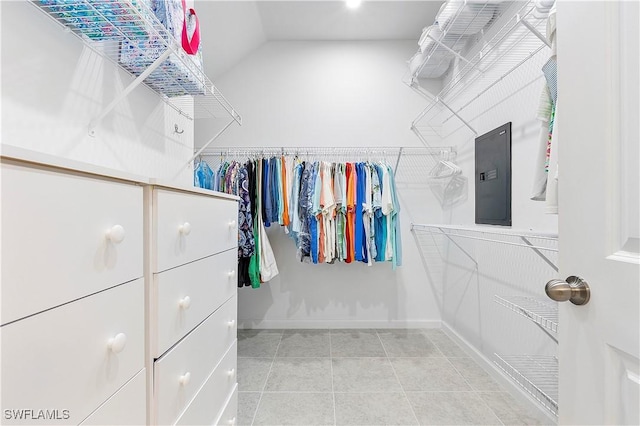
[
  {"x": 412, "y": 165},
  {"x": 128, "y": 33},
  {"x": 512, "y": 39},
  {"x": 546, "y": 242},
  {"x": 540, "y": 312},
  {"x": 536, "y": 375}
]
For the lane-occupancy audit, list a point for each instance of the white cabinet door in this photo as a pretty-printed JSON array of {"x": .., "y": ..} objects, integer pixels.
[
  {"x": 55, "y": 246},
  {"x": 126, "y": 407},
  {"x": 179, "y": 374},
  {"x": 597, "y": 122},
  {"x": 188, "y": 294},
  {"x": 213, "y": 399},
  {"x": 189, "y": 227},
  {"x": 65, "y": 358}
]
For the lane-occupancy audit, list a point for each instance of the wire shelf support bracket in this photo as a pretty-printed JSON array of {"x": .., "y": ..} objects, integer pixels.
[{"x": 152, "y": 55}]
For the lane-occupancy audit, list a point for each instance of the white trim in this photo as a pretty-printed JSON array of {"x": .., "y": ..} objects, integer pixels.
[
  {"x": 249, "y": 324},
  {"x": 491, "y": 369}
]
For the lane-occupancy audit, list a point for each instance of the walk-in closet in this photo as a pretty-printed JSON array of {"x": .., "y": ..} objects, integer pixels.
[{"x": 319, "y": 212}]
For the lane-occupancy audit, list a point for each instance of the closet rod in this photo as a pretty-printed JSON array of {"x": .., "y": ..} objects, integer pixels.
[{"x": 327, "y": 151}]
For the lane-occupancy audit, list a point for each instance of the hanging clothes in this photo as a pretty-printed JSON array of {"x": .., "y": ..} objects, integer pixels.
[
  {"x": 304, "y": 211},
  {"x": 334, "y": 212},
  {"x": 246, "y": 240},
  {"x": 267, "y": 261},
  {"x": 396, "y": 238},
  {"x": 203, "y": 176}
]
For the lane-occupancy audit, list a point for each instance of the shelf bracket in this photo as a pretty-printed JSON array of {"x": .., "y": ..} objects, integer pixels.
[
  {"x": 458, "y": 116},
  {"x": 532, "y": 29},
  {"x": 217, "y": 135},
  {"x": 135, "y": 83},
  {"x": 442, "y": 232},
  {"x": 539, "y": 253},
  {"x": 395, "y": 169}
]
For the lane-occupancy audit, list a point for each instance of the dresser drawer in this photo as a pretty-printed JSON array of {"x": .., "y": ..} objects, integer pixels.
[
  {"x": 62, "y": 359},
  {"x": 209, "y": 403},
  {"x": 54, "y": 237},
  {"x": 125, "y": 407},
  {"x": 188, "y": 294},
  {"x": 229, "y": 415},
  {"x": 179, "y": 373},
  {"x": 188, "y": 227}
]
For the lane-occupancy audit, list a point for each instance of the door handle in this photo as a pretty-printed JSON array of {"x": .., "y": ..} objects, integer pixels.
[{"x": 574, "y": 289}]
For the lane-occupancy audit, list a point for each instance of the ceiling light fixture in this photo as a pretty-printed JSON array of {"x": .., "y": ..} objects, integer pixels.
[{"x": 354, "y": 4}]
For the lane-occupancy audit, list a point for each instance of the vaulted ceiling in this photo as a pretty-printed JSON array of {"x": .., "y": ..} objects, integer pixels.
[{"x": 231, "y": 29}]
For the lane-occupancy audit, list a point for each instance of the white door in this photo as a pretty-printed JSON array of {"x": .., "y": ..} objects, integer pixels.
[{"x": 598, "y": 120}]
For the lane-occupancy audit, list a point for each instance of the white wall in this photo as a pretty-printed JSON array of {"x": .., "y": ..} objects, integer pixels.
[
  {"x": 229, "y": 30},
  {"x": 53, "y": 86},
  {"x": 332, "y": 94}
]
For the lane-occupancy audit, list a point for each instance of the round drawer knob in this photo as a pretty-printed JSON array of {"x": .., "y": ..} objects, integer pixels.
[
  {"x": 185, "y": 379},
  {"x": 231, "y": 273},
  {"x": 185, "y": 228},
  {"x": 231, "y": 323},
  {"x": 232, "y": 223},
  {"x": 116, "y": 344},
  {"x": 185, "y": 302},
  {"x": 231, "y": 372},
  {"x": 115, "y": 234}
]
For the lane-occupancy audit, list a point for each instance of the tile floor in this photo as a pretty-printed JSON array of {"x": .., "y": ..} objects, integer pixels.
[{"x": 366, "y": 377}]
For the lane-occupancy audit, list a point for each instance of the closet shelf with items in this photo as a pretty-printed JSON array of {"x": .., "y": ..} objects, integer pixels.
[
  {"x": 537, "y": 375},
  {"x": 144, "y": 41},
  {"x": 475, "y": 44}
]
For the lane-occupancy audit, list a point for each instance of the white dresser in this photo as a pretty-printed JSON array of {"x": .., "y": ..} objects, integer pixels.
[
  {"x": 72, "y": 321},
  {"x": 191, "y": 278},
  {"x": 118, "y": 297}
]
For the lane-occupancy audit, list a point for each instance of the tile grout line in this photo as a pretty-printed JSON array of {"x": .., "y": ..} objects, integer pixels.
[
  {"x": 473, "y": 389},
  {"x": 273, "y": 360},
  {"x": 398, "y": 379},
  {"x": 333, "y": 392}
]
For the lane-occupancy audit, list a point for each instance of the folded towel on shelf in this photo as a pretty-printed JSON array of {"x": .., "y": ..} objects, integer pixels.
[
  {"x": 435, "y": 67},
  {"x": 460, "y": 17},
  {"x": 103, "y": 20},
  {"x": 427, "y": 44}
]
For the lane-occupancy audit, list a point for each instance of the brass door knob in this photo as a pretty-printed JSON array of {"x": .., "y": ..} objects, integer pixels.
[{"x": 574, "y": 289}]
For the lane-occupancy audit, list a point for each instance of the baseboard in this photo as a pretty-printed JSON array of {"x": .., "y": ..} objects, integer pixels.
[
  {"x": 489, "y": 366},
  {"x": 248, "y": 324}
]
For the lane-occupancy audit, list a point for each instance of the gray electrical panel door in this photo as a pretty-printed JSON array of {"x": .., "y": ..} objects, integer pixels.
[{"x": 493, "y": 177}]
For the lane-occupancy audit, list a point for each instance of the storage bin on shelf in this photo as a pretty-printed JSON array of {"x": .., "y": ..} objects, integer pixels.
[
  {"x": 180, "y": 74},
  {"x": 101, "y": 20}
]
